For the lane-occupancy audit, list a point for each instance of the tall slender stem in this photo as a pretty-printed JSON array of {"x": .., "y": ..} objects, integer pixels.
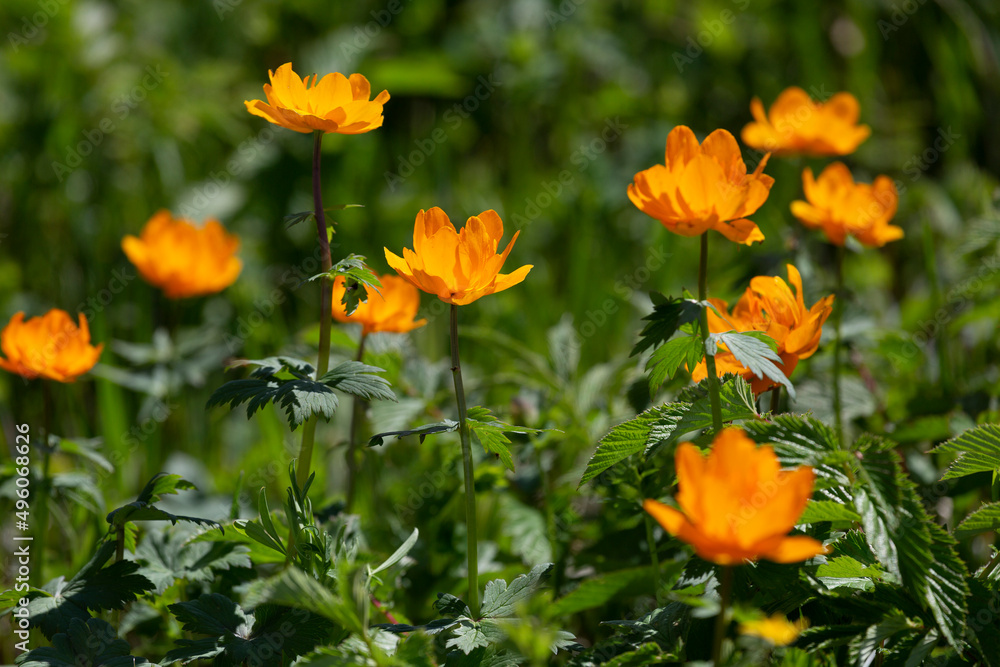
[
  {"x": 326, "y": 294},
  {"x": 470, "y": 480},
  {"x": 725, "y": 593},
  {"x": 357, "y": 411},
  {"x": 775, "y": 399},
  {"x": 713, "y": 379},
  {"x": 838, "y": 313}
]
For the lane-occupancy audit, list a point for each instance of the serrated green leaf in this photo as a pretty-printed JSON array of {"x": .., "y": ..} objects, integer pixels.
[
  {"x": 93, "y": 588},
  {"x": 684, "y": 350},
  {"x": 978, "y": 450},
  {"x": 597, "y": 591},
  {"x": 756, "y": 355},
  {"x": 633, "y": 436},
  {"x": 358, "y": 379},
  {"x": 985, "y": 518},
  {"x": 846, "y": 572},
  {"x": 828, "y": 510},
  {"x": 470, "y": 635},
  {"x": 83, "y": 644},
  {"x": 295, "y": 588},
  {"x": 500, "y": 600},
  {"x": 667, "y": 316},
  {"x": 490, "y": 432}
]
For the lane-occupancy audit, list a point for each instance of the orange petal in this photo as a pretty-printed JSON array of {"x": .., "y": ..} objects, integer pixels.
[{"x": 795, "y": 549}]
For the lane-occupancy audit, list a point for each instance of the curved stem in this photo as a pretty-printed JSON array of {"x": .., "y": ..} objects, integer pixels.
[
  {"x": 470, "y": 480},
  {"x": 357, "y": 413},
  {"x": 713, "y": 379},
  {"x": 326, "y": 294},
  {"x": 838, "y": 312},
  {"x": 725, "y": 593},
  {"x": 653, "y": 556}
]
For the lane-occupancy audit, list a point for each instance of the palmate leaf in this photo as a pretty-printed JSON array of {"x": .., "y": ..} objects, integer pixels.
[
  {"x": 168, "y": 555},
  {"x": 668, "y": 315},
  {"x": 490, "y": 432},
  {"x": 236, "y": 637},
  {"x": 93, "y": 588},
  {"x": 681, "y": 351},
  {"x": 470, "y": 635},
  {"x": 597, "y": 591},
  {"x": 90, "y": 643},
  {"x": 978, "y": 450},
  {"x": 754, "y": 350},
  {"x": 288, "y": 383}
]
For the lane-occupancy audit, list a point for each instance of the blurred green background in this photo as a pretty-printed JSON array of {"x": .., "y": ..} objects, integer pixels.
[{"x": 110, "y": 111}]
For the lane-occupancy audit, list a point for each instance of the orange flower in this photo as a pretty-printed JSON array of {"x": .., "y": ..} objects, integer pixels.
[
  {"x": 796, "y": 125},
  {"x": 737, "y": 504},
  {"x": 840, "y": 207},
  {"x": 336, "y": 104},
  {"x": 457, "y": 267},
  {"x": 769, "y": 306},
  {"x": 776, "y": 629},
  {"x": 703, "y": 187},
  {"x": 51, "y": 346},
  {"x": 184, "y": 260},
  {"x": 392, "y": 309}
]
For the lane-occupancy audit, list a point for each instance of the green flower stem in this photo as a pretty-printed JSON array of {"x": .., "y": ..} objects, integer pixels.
[
  {"x": 713, "y": 379},
  {"x": 470, "y": 480},
  {"x": 725, "y": 593},
  {"x": 357, "y": 412},
  {"x": 838, "y": 313},
  {"x": 326, "y": 293}
]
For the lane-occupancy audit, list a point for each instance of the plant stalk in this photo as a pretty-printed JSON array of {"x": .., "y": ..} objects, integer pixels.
[
  {"x": 326, "y": 294},
  {"x": 470, "y": 481},
  {"x": 725, "y": 593},
  {"x": 357, "y": 413},
  {"x": 713, "y": 379}
]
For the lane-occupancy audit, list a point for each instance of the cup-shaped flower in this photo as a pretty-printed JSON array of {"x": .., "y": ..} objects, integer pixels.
[
  {"x": 796, "y": 125},
  {"x": 737, "y": 504},
  {"x": 393, "y": 308},
  {"x": 457, "y": 267},
  {"x": 52, "y": 346},
  {"x": 702, "y": 187},
  {"x": 769, "y": 306},
  {"x": 776, "y": 630},
  {"x": 335, "y": 103},
  {"x": 182, "y": 259},
  {"x": 841, "y": 207}
]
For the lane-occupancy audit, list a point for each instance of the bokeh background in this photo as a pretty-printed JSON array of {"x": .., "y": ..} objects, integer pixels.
[{"x": 541, "y": 110}]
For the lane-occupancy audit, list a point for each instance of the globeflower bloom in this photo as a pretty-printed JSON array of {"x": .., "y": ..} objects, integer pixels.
[
  {"x": 457, "y": 267},
  {"x": 52, "y": 346},
  {"x": 737, "y": 504},
  {"x": 336, "y": 104},
  {"x": 702, "y": 187},
  {"x": 776, "y": 629},
  {"x": 184, "y": 260},
  {"x": 769, "y": 306},
  {"x": 795, "y": 125},
  {"x": 392, "y": 309},
  {"x": 839, "y": 206}
]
